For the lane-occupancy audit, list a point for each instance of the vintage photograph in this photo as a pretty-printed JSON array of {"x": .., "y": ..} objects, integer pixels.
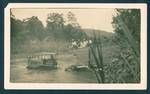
[{"x": 77, "y": 45}]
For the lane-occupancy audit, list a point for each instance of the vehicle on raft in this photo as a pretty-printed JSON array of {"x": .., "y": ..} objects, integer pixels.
[{"x": 42, "y": 61}]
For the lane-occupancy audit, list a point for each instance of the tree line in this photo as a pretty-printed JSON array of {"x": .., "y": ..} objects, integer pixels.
[{"x": 57, "y": 28}]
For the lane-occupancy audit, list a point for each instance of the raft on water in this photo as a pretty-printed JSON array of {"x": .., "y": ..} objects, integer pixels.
[{"x": 42, "y": 61}]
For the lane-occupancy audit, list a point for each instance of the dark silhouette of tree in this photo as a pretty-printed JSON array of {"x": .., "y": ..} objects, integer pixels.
[
  {"x": 55, "y": 25},
  {"x": 34, "y": 27},
  {"x": 16, "y": 30},
  {"x": 55, "y": 21},
  {"x": 131, "y": 18}
]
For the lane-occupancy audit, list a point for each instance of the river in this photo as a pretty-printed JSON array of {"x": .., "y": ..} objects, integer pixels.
[{"x": 20, "y": 74}]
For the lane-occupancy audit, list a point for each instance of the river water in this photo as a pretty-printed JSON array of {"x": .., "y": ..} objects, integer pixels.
[{"x": 20, "y": 74}]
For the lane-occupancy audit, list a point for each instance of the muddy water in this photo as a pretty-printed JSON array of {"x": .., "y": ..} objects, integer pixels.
[{"x": 19, "y": 73}]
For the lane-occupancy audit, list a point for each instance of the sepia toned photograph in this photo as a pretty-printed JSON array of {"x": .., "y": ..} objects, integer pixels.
[{"x": 64, "y": 44}]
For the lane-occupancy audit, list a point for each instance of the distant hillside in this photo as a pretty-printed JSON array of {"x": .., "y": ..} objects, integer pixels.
[{"x": 90, "y": 33}]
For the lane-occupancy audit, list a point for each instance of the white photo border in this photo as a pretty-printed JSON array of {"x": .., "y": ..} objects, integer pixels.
[{"x": 73, "y": 86}]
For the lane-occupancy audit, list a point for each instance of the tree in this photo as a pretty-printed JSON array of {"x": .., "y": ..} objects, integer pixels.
[
  {"x": 55, "y": 25},
  {"x": 34, "y": 27},
  {"x": 131, "y": 18},
  {"x": 55, "y": 21},
  {"x": 59, "y": 28},
  {"x": 74, "y": 29},
  {"x": 72, "y": 20},
  {"x": 16, "y": 30},
  {"x": 127, "y": 29}
]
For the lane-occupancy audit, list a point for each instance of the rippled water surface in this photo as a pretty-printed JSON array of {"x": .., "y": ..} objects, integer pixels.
[{"x": 19, "y": 73}]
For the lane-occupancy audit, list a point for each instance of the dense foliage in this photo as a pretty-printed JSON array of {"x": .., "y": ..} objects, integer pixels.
[
  {"x": 126, "y": 65},
  {"x": 31, "y": 30}
]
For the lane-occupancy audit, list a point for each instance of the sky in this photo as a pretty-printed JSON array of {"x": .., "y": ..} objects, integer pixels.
[{"x": 87, "y": 18}]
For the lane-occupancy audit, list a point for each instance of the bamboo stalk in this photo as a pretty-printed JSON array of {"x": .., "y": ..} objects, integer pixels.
[
  {"x": 99, "y": 60},
  {"x": 98, "y": 79},
  {"x": 99, "y": 47},
  {"x": 96, "y": 60}
]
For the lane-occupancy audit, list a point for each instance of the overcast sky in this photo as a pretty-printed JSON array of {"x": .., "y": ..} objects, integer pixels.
[{"x": 87, "y": 18}]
